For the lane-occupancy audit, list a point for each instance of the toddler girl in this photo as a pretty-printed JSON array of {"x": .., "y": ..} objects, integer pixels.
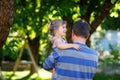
[{"x": 57, "y": 29}]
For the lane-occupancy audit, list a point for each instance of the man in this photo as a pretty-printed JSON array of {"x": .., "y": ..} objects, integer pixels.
[{"x": 72, "y": 64}]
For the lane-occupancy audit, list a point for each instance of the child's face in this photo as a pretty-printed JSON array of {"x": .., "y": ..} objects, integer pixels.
[{"x": 62, "y": 30}]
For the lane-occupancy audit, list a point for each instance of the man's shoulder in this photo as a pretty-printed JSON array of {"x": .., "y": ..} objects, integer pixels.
[
  {"x": 85, "y": 50},
  {"x": 70, "y": 50},
  {"x": 90, "y": 50}
]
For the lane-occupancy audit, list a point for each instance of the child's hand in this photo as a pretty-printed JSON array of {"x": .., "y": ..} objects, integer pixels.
[
  {"x": 53, "y": 72},
  {"x": 76, "y": 46}
]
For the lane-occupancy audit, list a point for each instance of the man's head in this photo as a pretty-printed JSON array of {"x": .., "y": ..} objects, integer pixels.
[{"x": 81, "y": 29}]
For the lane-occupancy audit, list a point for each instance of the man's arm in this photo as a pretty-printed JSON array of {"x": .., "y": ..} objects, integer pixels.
[{"x": 50, "y": 61}]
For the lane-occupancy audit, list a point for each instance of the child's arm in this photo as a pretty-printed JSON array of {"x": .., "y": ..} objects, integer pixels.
[{"x": 62, "y": 45}]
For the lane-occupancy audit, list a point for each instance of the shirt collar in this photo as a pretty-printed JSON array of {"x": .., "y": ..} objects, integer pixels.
[{"x": 80, "y": 43}]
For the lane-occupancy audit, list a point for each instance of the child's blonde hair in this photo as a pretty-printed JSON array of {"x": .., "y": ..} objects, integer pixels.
[{"x": 55, "y": 24}]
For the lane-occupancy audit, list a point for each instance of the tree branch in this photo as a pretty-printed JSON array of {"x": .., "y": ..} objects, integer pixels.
[
  {"x": 104, "y": 11},
  {"x": 69, "y": 28}
]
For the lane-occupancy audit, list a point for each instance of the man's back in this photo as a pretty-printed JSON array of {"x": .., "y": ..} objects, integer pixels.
[{"x": 75, "y": 65}]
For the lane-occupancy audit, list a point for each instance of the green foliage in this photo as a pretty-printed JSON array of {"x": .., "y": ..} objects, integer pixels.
[
  {"x": 11, "y": 49},
  {"x": 90, "y": 6},
  {"x": 108, "y": 57},
  {"x": 113, "y": 1},
  {"x": 115, "y": 52},
  {"x": 27, "y": 18},
  {"x": 17, "y": 1},
  {"x": 114, "y": 58},
  {"x": 106, "y": 77},
  {"x": 112, "y": 21}
]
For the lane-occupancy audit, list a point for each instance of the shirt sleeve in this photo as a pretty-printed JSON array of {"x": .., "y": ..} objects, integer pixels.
[{"x": 50, "y": 61}]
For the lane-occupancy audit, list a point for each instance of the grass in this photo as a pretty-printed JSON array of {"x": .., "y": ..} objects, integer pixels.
[
  {"x": 25, "y": 75},
  {"x": 45, "y": 75},
  {"x": 106, "y": 77}
]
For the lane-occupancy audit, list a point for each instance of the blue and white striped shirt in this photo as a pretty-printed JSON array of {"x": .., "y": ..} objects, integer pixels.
[{"x": 72, "y": 64}]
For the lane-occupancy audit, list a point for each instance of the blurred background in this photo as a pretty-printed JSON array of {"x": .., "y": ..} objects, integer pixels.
[{"x": 24, "y": 32}]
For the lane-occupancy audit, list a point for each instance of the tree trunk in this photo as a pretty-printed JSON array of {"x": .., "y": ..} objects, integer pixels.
[
  {"x": 69, "y": 28},
  {"x": 104, "y": 11},
  {"x": 6, "y": 17},
  {"x": 34, "y": 45}
]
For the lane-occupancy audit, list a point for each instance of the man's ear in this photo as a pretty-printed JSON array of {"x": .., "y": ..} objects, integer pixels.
[{"x": 88, "y": 36}]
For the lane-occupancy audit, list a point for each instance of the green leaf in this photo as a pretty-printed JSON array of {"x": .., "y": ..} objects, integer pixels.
[
  {"x": 17, "y": 1},
  {"x": 113, "y": 1}
]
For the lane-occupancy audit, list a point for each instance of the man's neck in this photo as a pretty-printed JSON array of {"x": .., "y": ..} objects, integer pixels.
[{"x": 80, "y": 40}]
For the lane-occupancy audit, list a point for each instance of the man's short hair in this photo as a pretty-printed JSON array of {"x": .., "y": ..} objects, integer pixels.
[{"x": 81, "y": 28}]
